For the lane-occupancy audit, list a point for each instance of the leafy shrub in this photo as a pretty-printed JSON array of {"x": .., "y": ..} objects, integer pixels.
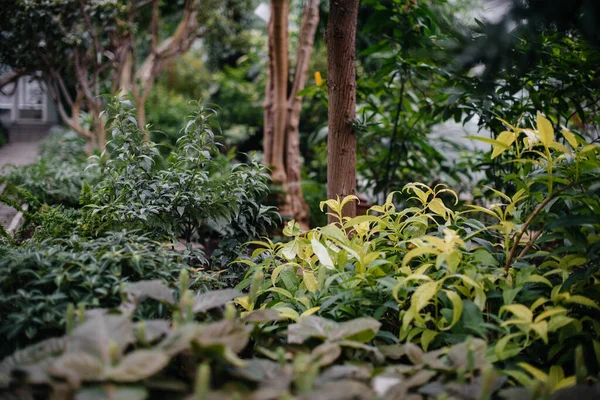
[
  {"x": 58, "y": 175},
  {"x": 193, "y": 189},
  {"x": 525, "y": 281},
  {"x": 105, "y": 351},
  {"x": 39, "y": 279}
]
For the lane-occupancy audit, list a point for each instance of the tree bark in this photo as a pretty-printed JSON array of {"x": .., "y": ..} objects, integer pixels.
[
  {"x": 297, "y": 205},
  {"x": 341, "y": 88},
  {"x": 268, "y": 127},
  {"x": 279, "y": 15}
]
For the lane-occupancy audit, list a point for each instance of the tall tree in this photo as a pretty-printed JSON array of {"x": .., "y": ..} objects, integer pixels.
[
  {"x": 282, "y": 110},
  {"x": 341, "y": 89}
]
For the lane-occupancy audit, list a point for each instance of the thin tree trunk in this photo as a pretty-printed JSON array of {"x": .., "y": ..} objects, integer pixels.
[
  {"x": 341, "y": 88},
  {"x": 268, "y": 127},
  {"x": 297, "y": 205},
  {"x": 279, "y": 14}
]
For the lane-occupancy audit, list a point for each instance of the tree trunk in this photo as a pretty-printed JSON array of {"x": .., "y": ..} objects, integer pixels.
[
  {"x": 297, "y": 205},
  {"x": 279, "y": 15},
  {"x": 268, "y": 128},
  {"x": 341, "y": 88}
]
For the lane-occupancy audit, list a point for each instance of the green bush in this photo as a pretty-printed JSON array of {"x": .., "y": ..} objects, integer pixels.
[
  {"x": 58, "y": 175},
  {"x": 106, "y": 353},
  {"x": 39, "y": 279},
  {"x": 197, "y": 188},
  {"x": 524, "y": 280}
]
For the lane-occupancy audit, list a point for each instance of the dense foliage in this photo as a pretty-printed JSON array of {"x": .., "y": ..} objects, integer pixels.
[
  {"x": 415, "y": 298},
  {"x": 157, "y": 269}
]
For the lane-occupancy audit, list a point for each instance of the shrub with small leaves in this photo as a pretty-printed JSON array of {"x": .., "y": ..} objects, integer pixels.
[
  {"x": 195, "y": 189},
  {"x": 39, "y": 279}
]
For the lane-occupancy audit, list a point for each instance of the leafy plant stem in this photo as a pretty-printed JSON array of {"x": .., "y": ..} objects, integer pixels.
[
  {"x": 529, "y": 245},
  {"x": 534, "y": 214}
]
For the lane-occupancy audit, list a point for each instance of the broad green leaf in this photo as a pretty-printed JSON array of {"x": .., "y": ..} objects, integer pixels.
[
  {"x": 519, "y": 310},
  {"x": 213, "y": 299},
  {"x": 332, "y": 231},
  {"x": 505, "y": 137},
  {"x": 581, "y": 300},
  {"x": 457, "y": 307},
  {"x": 566, "y": 383},
  {"x": 311, "y": 327},
  {"x": 545, "y": 130},
  {"x": 310, "y": 281},
  {"x": 310, "y": 311},
  {"x": 360, "y": 330},
  {"x": 418, "y": 251},
  {"x": 139, "y": 365},
  {"x": 427, "y": 337},
  {"x": 360, "y": 220},
  {"x": 589, "y": 147},
  {"x": 422, "y": 296},
  {"x": 154, "y": 289},
  {"x": 533, "y": 371},
  {"x": 555, "y": 375},
  {"x": 437, "y": 206},
  {"x": 568, "y": 135},
  {"x": 287, "y": 312},
  {"x": 281, "y": 291},
  {"x": 322, "y": 253},
  {"x": 325, "y": 354},
  {"x": 538, "y": 279},
  {"x": 500, "y": 346},
  {"x": 558, "y": 321},
  {"x": 549, "y": 313},
  {"x": 541, "y": 328},
  {"x": 290, "y": 250}
]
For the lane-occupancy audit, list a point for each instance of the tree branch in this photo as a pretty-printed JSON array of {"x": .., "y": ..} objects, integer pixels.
[
  {"x": 528, "y": 222},
  {"x": 9, "y": 78}
]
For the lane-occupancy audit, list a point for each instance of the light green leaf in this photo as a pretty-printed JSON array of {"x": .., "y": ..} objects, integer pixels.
[
  {"x": 139, "y": 365},
  {"x": 568, "y": 135},
  {"x": 584, "y": 301},
  {"x": 310, "y": 281},
  {"x": 545, "y": 130},
  {"x": 437, "y": 206},
  {"x": 322, "y": 253},
  {"x": 427, "y": 337},
  {"x": 533, "y": 371},
  {"x": 507, "y": 138},
  {"x": 457, "y": 307},
  {"x": 422, "y": 296},
  {"x": 519, "y": 310}
]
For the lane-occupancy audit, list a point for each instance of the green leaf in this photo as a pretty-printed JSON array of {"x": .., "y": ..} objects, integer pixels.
[
  {"x": 507, "y": 138},
  {"x": 310, "y": 281},
  {"x": 138, "y": 365},
  {"x": 533, "y": 371},
  {"x": 322, "y": 253},
  {"x": 457, "y": 307},
  {"x": 154, "y": 289},
  {"x": 427, "y": 337},
  {"x": 437, "y": 206},
  {"x": 422, "y": 296},
  {"x": 213, "y": 299},
  {"x": 545, "y": 130},
  {"x": 500, "y": 346},
  {"x": 581, "y": 300},
  {"x": 519, "y": 310},
  {"x": 568, "y": 135},
  {"x": 360, "y": 330}
]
